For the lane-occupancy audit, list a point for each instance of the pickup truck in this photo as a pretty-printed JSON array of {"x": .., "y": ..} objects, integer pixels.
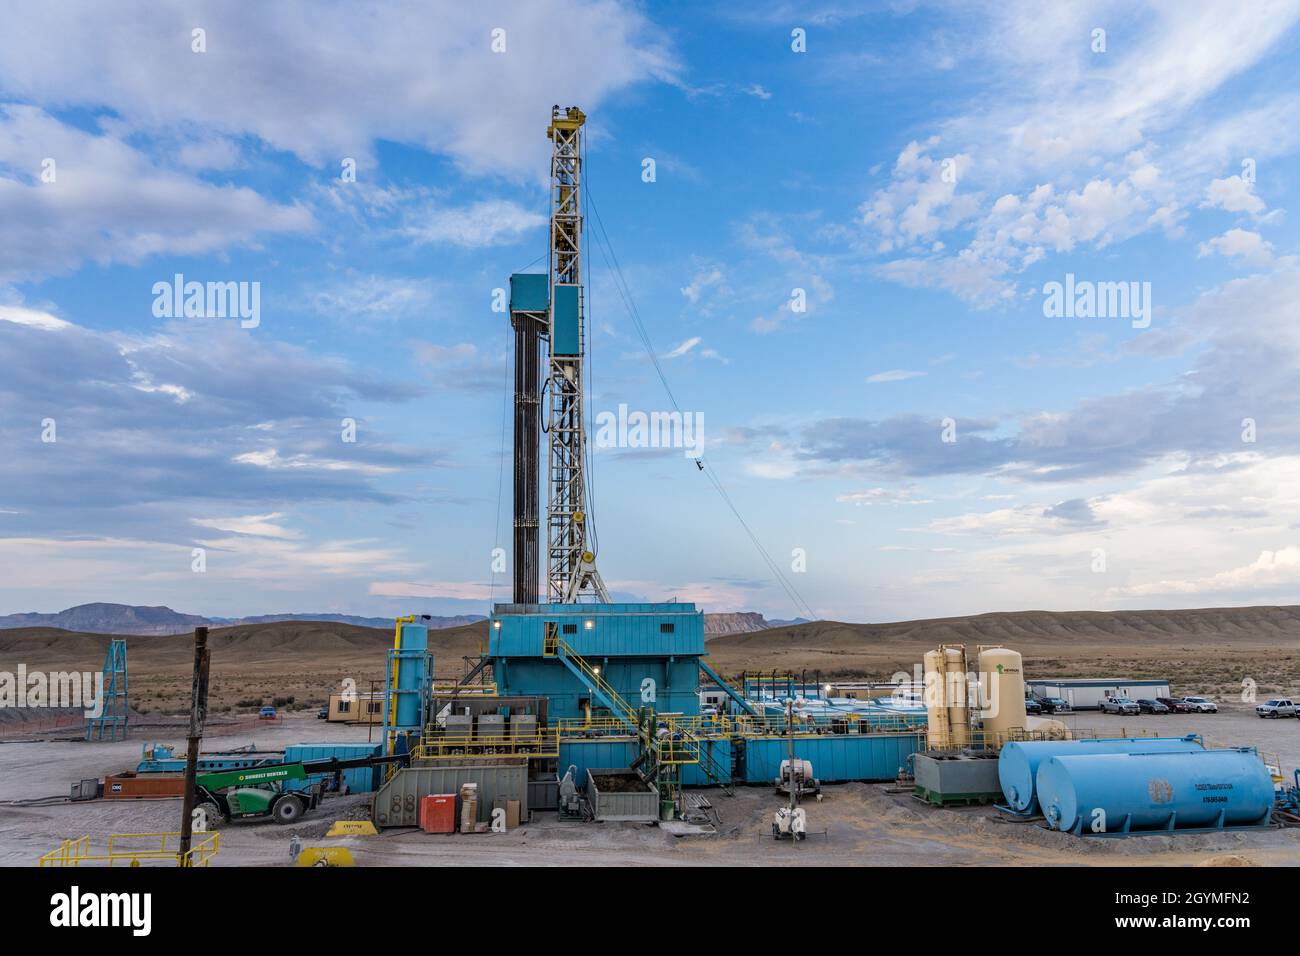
[
  {"x": 1277, "y": 707},
  {"x": 1120, "y": 705},
  {"x": 1054, "y": 705}
]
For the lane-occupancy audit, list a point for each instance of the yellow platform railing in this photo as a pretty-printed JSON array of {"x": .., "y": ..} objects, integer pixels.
[
  {"x": 154, "y": 846},
  {"x": 440, "y": 747}
]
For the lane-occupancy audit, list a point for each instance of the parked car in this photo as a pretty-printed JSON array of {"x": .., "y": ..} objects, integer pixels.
[
  {"x": 1277, "y": 707},
  {"x": 1176, "y": 705},
  {"x": 1032, "y": 706},
  {"x": 1054, "y": 705},
  {"x": 323, "y": 713},
  {"x": 1119, "y": 705},
  {"x": 1151, "y": 706},
  {"x": 266, "y": 713},
  {"x": 1201, "y": 705}
]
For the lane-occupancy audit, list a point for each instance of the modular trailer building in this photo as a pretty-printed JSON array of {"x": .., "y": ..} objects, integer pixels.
[{"x": 1088, "y": 693}]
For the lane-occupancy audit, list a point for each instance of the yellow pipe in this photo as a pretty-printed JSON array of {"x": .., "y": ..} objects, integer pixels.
[{"x": 392, "y": 695}]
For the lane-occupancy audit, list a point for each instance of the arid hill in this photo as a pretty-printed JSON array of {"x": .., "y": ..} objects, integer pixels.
[
  {"x": 306, "y": 660},
  {"x": 1204, "y": 650}
]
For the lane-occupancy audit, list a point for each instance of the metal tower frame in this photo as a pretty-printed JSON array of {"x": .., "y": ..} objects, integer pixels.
[
  {"x": 570, "y": 566},
  {"x": 112, "y": 719}
]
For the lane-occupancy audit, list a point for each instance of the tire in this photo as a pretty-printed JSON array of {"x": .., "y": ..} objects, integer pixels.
[
  {"x": 287, "y": 810},
  {"x": 212, "y": 812}
]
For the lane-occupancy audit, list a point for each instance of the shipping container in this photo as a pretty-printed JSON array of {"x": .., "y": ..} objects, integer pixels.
[{"x": 150, "y": 786}]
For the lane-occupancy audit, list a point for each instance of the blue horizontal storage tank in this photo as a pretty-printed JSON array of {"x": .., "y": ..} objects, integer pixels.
[
  {"x": 1019, "y": 761},
  {"x": 1145, "y": 792}
]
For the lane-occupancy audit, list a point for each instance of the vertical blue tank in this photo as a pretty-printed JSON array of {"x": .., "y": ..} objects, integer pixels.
[
  {"x": 410, "y": 666},
  {"x": 1145, "y": 792},
  {"x": 1018, "y": 762}
]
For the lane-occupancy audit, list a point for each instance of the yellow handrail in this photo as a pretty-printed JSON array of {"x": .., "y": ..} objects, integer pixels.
[
  {"x": 542, "y": 744},
  {"x": 76, "y": 852}
]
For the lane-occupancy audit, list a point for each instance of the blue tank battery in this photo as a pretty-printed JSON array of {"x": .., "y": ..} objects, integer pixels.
[
  {"x": 1155, "y": 792},
  {"x": 1018, "y": 762}
]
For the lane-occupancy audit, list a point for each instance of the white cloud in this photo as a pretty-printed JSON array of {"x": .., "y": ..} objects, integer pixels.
[
  {"x": 491, "y": 222},
  {"x": 32, "y": 317},
  {"x": 1280, "y": 568},
  {"x": 871, "y": 496},
  {"x": 262, "y": 526},
  {"x": 1233, "y": 194},
  {"x": 1242, "y": 244},
  {"x": 703, "y": 280},
  {"x": 111, "y": 203},
  {"x": 683, "y": 347},
  {"x": 894, "y": 375},
  {"x": 372, "y": 297},
  {"x": 461, "y": 590},
  {"x": 325, "y": 80}
]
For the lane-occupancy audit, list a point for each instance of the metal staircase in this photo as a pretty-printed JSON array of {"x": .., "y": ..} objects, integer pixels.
[
  {"x": 677, "y": 747},
  {"x": 728, "y": 689}
]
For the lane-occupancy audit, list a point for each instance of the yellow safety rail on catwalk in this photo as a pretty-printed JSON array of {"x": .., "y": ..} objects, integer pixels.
[
  {"x": 153, "y": 846},
  {"x": 456, "y": 689},
  {"x": 545, "y": 743}
]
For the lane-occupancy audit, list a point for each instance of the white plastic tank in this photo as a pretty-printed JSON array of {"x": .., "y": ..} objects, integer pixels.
[{"x": 1002, "y": 676}]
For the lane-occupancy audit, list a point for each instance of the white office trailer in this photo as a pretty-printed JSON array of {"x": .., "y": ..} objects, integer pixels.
[{"x": 1088, "y": 694}]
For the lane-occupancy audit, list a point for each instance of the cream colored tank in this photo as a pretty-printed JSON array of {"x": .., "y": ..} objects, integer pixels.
[
  {"x": 957, "y": 693},
  {"x": 1002, "y": 673},
  {"x": 936, "y": 706}
]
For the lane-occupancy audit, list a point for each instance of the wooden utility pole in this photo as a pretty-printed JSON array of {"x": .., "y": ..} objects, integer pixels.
[{"x": 198, "y": 714}]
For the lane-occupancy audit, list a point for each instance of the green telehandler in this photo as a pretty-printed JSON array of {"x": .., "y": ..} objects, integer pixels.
[{"x": 227, "y": 795}]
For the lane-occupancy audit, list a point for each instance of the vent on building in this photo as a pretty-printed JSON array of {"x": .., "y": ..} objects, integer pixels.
[
  {"x": 570, "y": 629},
  {"x": 666, "y": 627}
]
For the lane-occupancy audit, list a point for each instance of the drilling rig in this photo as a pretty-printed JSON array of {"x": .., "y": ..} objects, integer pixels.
[{"x": 546, "y": 310}]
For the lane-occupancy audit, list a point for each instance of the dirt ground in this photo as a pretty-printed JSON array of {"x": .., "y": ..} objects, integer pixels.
[{"x": 853, "y": 824}]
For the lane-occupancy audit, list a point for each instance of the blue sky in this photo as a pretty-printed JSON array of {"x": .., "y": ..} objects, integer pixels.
[{"x": 921, "y": 171}]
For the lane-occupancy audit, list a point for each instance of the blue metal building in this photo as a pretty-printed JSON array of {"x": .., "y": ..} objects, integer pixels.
[{"x": 573, "y": 654}]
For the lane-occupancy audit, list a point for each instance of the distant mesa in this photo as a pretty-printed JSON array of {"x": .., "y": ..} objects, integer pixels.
[{"x": 160, "y": 621}]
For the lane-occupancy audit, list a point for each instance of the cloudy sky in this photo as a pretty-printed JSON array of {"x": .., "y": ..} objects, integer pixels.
[{"x": 843, "y": 263}]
